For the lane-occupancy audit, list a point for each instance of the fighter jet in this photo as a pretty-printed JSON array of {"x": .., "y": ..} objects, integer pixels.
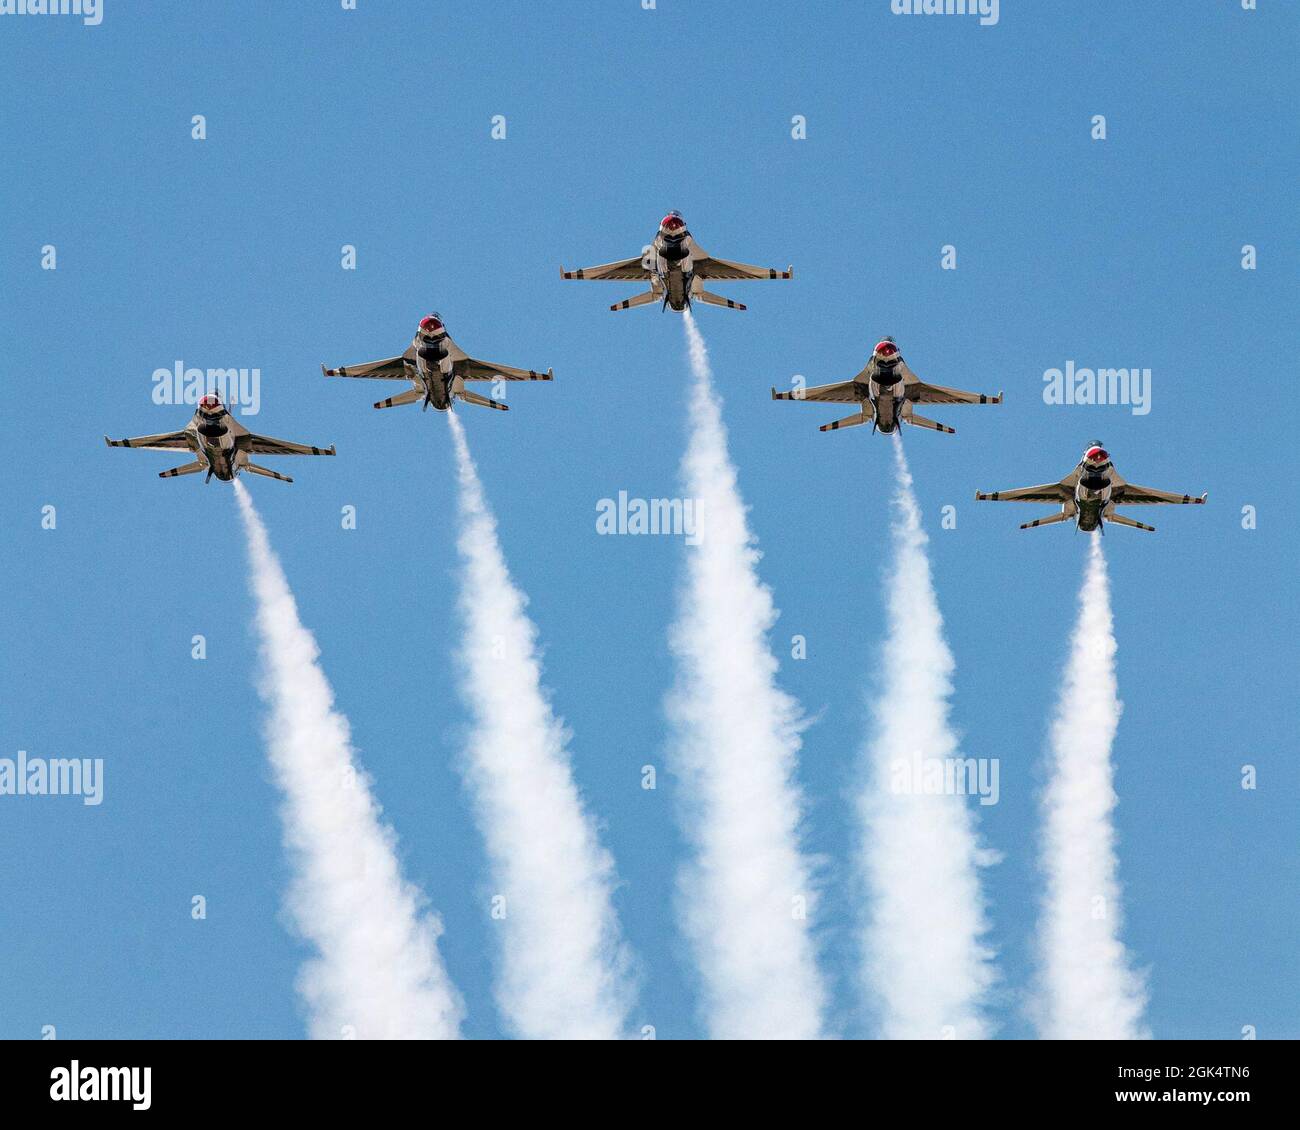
[
  {"x": 887, "y": 390},
  {"x": 437, "y": 369},
  {"x": 676, "y": 268},
  {"x": 1089, "y": 495},
  {"x": 221, "y": 445}
]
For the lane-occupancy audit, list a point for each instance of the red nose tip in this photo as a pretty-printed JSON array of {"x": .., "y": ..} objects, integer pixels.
[
  {"x": 886, "y": 349},
  {"x": 429, "y": 325},
  {"x": 672, "y": 223},
  {"x": 210, "y": 401},
  {"x": 1097, "y": 455}
]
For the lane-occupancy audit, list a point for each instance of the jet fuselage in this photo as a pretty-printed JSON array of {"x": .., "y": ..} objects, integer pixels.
[
  {"x": 671, "y": 263},
  {"x": 434, "y": 367},
  {"x": 882, "y": 384},
  {"x": 216, "y": 432},
  {"x": 1092, "y": 494}
]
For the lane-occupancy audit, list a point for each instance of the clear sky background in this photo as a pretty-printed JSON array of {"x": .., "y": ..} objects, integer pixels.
[{"x": 371, "y": 127}]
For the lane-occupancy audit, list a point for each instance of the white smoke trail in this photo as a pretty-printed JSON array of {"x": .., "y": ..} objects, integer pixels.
[
  {"x": 925, "y": 963},
  {"x": 1089, "y": 991},
  {"x": 378, "y": 974},
  {"x": 564, "y": 972},
  {"x": 745, "y": 897}
]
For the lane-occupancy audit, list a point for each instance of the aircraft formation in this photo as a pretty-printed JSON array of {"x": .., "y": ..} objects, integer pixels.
[{"x": 885, "y": 392}]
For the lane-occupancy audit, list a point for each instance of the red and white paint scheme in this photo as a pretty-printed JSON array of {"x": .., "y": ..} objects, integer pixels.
[
  {"x": 220, "y": 445},
  {"x": 886, "y": 391},
  {"x": 1090, "y": 493},
  {"x": 437, "y": 369},
  {"x": 676, "y": 267}
]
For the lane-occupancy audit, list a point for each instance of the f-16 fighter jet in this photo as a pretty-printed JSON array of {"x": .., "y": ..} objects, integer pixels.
[
  {"x": 1089, "y": 495},
  {"x": 887, "y": 390},
  {"x": 676, "y": 268},
  {"x": 221, "y": 445},
  {"x": 438, "y": 369}
]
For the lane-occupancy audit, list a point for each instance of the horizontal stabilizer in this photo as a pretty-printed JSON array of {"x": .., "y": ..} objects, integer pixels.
[
  {"x": 412, "y": 396},
  {"x": 187, "y": 469},
  {"x": 848, "y": 422},
  {"x": 1123, "y": 521},
  {"x": 716, "y": 300},
  {"x": 636, "y": 300},
  {"x": 254, "y": 469},
  {"x": 1064, "y": 516},
  {"x": 483, "y": 401},
  {"x": 922, "y": 422}
]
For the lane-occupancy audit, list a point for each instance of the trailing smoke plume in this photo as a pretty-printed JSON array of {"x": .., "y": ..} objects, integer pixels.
[
  {"x": 926, "y": 967},
  {"x": 377, "y": 973},
  {"x": 1089, "y": 991},
  {"x": 745, "y": 898},
  {"x": 564, "y": 966}
]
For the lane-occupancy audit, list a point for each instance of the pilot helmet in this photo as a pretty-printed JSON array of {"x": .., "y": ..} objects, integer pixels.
[{"x": 672, "y": 226}]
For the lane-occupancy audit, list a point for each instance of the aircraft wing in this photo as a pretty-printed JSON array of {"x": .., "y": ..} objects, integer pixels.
[
  {"x": 844, "y": 392},
  {"x": 625, "y": 269},
  {"x": 471, "y": 369},
  {"x": 163, "y": 441},
  {"x": 265, "y": 445},
  {"x": 921, "y": 393},
  {"x": 387, "y": 369},
  {"x": 711, "y": 268},
  {"x": 1046, "y": 492},
  {"x": 1129, "y": 494}
]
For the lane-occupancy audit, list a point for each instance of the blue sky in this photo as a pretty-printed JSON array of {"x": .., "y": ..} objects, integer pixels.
[{"x": 371, "y": 127}]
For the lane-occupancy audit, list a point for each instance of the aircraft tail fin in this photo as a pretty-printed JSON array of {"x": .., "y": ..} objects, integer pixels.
[
  {"x": 710, "y": 299},
  {"x": 636, "y": 300},
  {"x": 1124, "y": 521},
  {"x": 185, "y": 469},
  {"x": 254, "y": 469},
  {"x": 482, "y": 401}
]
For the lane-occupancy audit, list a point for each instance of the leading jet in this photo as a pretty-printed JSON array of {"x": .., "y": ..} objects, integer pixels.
[
  {"x": 886, "y": 391},
  {"x": 676, "y": 268},
  {"x": 220, "y": 445},
  {"x": 1089, "y": 494},
  {"x": 437, "y": 369}
]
